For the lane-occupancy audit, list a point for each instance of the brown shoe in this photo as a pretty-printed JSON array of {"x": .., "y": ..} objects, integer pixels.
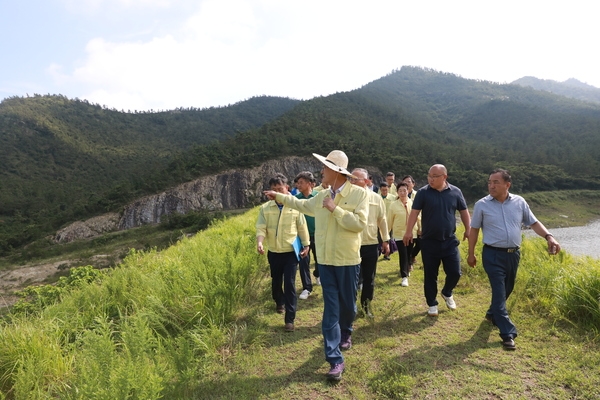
[
  {"x": 289, "y": 327},
  {"x": 280, "y": 309}
]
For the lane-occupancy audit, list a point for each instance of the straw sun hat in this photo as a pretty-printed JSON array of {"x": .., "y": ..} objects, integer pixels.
[{"x": 337, "y": 161}]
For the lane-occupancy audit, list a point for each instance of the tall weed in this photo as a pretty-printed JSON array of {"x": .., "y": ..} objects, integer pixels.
[{"x": 141, "y": 331}]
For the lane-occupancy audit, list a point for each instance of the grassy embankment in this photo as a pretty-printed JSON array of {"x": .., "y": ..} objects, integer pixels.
[
  {"x": 555, "y": 209},
  {"x": 197, "y": 321}
]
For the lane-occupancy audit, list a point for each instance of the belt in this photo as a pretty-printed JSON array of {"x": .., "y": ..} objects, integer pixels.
[{"x": 503, "y": 249}]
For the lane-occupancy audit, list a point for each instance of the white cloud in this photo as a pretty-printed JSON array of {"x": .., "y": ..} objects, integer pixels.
[{"x": 229, "y": 50}]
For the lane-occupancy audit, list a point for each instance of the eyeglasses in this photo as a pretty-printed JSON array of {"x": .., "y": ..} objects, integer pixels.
[
  {"x": 434, "y": 176},
  {"x": 351, "y": 179}
]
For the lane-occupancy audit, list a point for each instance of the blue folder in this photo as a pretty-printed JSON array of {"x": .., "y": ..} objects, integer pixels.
[{"x": 297, "y": 247}]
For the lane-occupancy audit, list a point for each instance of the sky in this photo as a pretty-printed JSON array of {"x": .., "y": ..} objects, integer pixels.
[{"x": 163, "y": 54}]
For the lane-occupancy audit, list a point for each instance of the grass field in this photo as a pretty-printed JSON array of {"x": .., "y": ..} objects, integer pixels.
[
  {"x": 196, "y": 321},
  {"x": 403, "y": 353}
]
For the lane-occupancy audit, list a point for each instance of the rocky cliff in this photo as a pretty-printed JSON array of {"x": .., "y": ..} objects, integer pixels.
[
  {"x": 234, "y": 189},
  {"x": 229, "y": 190}
]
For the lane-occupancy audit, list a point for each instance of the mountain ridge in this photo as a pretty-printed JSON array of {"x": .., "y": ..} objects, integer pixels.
[{"x": 403, "y": 122}]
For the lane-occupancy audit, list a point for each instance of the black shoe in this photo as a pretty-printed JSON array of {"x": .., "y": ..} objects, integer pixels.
[
  {"x": 490, "y": 319},
  {"x": 509, "y": 344}
]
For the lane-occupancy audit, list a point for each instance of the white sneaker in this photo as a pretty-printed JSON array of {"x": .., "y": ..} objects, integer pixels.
[
  {"x": 318, "y": 281},
  {"x": 404, "y": 282},
  {"x": 433, "y": 311},
  {"x": 360, "y": 287},
  {"x": 304, "y": 295},
  {"x": 450, "y": 302}
]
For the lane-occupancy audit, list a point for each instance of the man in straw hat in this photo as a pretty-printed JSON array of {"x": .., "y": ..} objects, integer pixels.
[{"x": 341, "y": 213}]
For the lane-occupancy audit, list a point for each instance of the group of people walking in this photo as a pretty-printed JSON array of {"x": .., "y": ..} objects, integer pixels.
[{"x": 347, "y": 222}]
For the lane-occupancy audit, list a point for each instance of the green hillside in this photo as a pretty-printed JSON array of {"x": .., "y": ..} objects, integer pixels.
[
  {"x": 413, "y": 118},
  {"x": 569, "y": 88},
  {"x": 197, "y": 321},
  {"x": 62, "y": 159}
]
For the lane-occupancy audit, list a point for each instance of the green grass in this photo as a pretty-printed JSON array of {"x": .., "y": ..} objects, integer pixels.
[
  {"x": 560, "y": 209},
  {"x": 402, "y": 353},
  {"x": 196, "y": 321}
]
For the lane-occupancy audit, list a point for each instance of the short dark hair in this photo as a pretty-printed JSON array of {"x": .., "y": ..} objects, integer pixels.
[
  {"x": 278, "y": 179},
  {"x": 409, "y": 177},
  {"x": 383, "y": 184},
  {"x": 504, "y": 173},
  {"x": 401, "y": 184},
  {"x": 306, "y": 175},
  {"x": 390, "y": 174}
]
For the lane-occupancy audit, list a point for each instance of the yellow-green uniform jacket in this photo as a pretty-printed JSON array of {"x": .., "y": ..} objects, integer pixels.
[
  {"x": 280, "y": 229},
  {"x": 398, "y": 217},
  {"x": 389, "y": 199},
  {"x": 377, "y": 220},
  {"x": 337, "y": 233},
  {"x": 393, "y": 190}
]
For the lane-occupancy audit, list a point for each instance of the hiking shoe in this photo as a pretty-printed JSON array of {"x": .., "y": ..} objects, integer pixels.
[
  {"x": 404, "y": 282},
  {"x": 449, "y": 302},
  {"x": 433, "y": 311},
  {"x": 280, "y": 309},
  {"x": 346, "y": 342},
  {"x": 304, "y": 295},
  {"x": 335, "y": 373},
  {"x": 289, "y": 327},
  {"x": 509, "y": 344}
]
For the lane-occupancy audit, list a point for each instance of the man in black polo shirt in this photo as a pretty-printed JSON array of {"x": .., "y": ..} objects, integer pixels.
[{"x": 439, "y": 202}]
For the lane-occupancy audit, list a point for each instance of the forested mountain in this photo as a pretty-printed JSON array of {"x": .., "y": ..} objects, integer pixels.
[
  {"x": 569, "y": 88},
  {"x": 414, "y": 117},
  {"x": 61, "y": 159},
  {"x": 66, "y": 159}
]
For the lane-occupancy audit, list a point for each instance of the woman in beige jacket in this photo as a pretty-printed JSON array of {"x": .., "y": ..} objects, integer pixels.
[{"x": 397, "y": 217}]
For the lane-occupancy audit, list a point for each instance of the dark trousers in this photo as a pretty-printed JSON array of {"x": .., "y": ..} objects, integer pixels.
[
  {"x": 305, "y": 273},
  {"x": 313, "y": 250},
  {"x": 404, "y": 253},
  {"x": 416, "y": 247},
  {"x": 283, "y": 273},
  {"x": 368, "y": 269},
  {"x": 434, "y": 252},
  {"x": 501, "y": 268}
]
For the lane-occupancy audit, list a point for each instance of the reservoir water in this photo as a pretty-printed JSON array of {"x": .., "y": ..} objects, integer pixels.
[{"x": 577, "y": 240}]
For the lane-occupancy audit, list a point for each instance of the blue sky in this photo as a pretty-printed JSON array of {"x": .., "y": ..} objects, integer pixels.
[{"x": 162, "y": 54}]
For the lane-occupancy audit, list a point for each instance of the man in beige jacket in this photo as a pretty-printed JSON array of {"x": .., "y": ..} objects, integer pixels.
[{"x": 341, "y": 213}]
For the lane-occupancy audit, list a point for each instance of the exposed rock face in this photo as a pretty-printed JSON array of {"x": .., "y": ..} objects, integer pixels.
[
  {"x": 86, "y": 229},
  {"x": 229, "y": 190},
  {"x": 234, "y": 189}
]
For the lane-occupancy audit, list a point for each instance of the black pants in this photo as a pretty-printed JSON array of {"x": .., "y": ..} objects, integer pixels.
[
  {"x": 313, "y": 250},
  {"x": 434, "y": 253},
  {"x": 368, "y": 268},
  {"x": 404, "y": 254},
  {"x": 305, "y": 273},
  {"x": 283, "y": 272},
  {"x": 416, "y": 247}
]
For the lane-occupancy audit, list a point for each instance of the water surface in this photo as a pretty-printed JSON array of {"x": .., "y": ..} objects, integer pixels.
[{"x": 577, "y": 240}]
